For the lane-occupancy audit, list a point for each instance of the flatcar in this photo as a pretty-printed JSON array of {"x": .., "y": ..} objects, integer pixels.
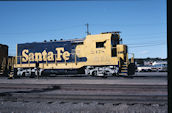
[{"x": 96, "y": 55}]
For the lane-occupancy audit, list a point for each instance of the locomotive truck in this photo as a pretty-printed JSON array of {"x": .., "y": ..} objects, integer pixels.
[{"x": 96, "y": 55}]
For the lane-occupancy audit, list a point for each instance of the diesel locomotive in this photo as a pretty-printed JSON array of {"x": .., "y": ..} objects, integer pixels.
[{"x": 96, "y": 55}]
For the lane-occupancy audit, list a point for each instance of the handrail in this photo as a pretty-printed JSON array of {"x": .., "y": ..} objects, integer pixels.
[
  {"x": 56, "y": 59},
  {"x": 119, "y": 61},
  {"x": 127, "y": 60},
  {"x": 132, "y": 58}
]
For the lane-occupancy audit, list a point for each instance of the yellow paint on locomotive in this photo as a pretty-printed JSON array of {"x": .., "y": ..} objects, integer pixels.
[{"x": 100, "y": 55}]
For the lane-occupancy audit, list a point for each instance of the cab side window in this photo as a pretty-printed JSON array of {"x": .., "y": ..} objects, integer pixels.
[{"x": 100, "y": 44}]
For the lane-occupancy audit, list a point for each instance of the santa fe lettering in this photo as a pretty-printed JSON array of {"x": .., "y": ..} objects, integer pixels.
[{"x": 45, "y": 56}]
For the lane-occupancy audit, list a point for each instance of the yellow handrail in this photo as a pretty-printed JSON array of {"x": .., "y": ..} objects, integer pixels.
[
  {"x": 127, "y": 60},
  {"x": 119, "y": 61},
  {"x": 132, "y": 58},
  {"x": 20, "y": 60}
]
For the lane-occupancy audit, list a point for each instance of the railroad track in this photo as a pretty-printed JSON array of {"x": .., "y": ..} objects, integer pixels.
[
  {"x": 129, "y": 94},
  {"x": 83, "y": 76},
  {"x": 101, "y": 87},
  {"x": 127, "y": 99}
]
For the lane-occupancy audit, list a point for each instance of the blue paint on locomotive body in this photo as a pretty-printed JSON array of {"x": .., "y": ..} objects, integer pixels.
[{"x": 49, "y": 46}]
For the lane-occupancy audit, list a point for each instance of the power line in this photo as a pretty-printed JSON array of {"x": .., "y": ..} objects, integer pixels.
[
  {"x": 75, "y": 26},
  {"x": 147, "y": 34},
  {"x": 148, "y": 42},
  {"x": 137, "y": 24},
  {"x": 147, "y": 45},
  {"x": 145, "y": 39}
]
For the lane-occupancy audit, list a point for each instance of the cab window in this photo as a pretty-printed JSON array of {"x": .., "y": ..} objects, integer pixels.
[{"x": 100, "y": 44}]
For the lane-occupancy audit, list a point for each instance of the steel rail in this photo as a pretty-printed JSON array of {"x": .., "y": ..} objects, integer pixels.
[
  {"x": 42, "y": 92},
  {"x": 86, "y": 87},
  {"x": 128, "y": 99}
]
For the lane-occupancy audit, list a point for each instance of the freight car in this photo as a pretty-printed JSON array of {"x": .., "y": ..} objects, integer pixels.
[
  {"x": 10, "y": 65},
  {"x": 6, "y": 62},
  {"x": 96, "y": 55},
  {"x": 3, "y": 59}
]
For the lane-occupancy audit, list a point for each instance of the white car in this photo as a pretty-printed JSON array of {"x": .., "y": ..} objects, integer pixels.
[
  {"x": 159, "y": 67},
  {"x": 144, "y": 68}
]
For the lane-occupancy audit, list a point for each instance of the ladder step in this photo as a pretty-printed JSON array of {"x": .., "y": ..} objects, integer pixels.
[
  {"x": 125, "y": 74},
  {"x": 124, "y": 70}
]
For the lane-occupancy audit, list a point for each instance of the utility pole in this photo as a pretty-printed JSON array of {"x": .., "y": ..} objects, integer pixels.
[{"x": 87, "y": 29}]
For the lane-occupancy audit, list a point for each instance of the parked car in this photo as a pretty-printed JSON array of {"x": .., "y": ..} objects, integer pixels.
[
  {"x": 145, "y": 68},
  {"x": 159, "y": 67}
]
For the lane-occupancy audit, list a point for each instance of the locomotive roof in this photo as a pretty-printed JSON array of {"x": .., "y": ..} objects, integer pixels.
[
  {"x": 80, "y": 40},
  {"x": 70, "y": 40}
]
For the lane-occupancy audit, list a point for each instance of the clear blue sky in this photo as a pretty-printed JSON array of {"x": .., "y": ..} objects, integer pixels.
[{"x": 142, "y": 23}]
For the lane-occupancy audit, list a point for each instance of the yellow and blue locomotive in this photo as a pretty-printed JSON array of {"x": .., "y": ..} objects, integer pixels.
[{"x": 97, "y": 55}]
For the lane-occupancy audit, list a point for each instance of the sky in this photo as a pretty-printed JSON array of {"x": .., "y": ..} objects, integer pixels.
[{"x": 142, "y": 23}]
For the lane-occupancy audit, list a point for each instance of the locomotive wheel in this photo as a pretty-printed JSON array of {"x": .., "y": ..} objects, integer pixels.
[
  {"x": 116, "y": 74},
  {"x": 94, "y": 73},
  {"x": 15, "y": 73},
  {"x": 104, "y": 76},
  {"x": 23, "y": 74},
  {"x": 32, "y": 75},
  {"x": 130, "y": 76}
]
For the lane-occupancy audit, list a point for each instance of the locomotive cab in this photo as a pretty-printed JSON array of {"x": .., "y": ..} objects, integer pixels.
[{"x": 120, "y": 51}]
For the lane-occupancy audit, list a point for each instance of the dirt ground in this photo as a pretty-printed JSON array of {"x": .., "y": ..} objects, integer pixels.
[
  {"x": 81, "y": 107},
  {"x": 93, "y": 107}
]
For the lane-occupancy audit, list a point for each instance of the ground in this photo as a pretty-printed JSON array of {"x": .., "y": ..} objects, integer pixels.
[{"x": 60, "y": 106}]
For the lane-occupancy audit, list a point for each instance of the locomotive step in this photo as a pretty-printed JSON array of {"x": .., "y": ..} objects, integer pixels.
[
  {"x": 124, "y": 63},
  {"x": 124, "y": 70},
  {"x": 123, "y": 74}
]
